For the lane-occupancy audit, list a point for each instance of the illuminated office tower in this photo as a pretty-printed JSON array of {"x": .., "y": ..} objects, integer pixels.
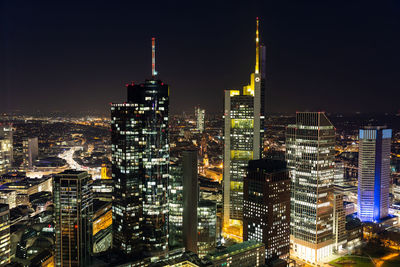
[
  {"x": 339, "y": 173},
  {"x": 243, "y": 132},
  {"x": 6, "y": 148},
  {"x": 140, "y": 162},
  {"x": 73, "y": 216},
  {"x": 4, "y": 234},
  {"x": 200, "y": 115},
  {"x": 31, "y": 151},
  {"x": 206, "y": 227},
  {"x": 373, "y": 173},
  {"x": 266, "y": 209},
  {"x": 339, "y": 222},
  {"x": 310, "y": 157},
  {"x": 175, "y": 203}
]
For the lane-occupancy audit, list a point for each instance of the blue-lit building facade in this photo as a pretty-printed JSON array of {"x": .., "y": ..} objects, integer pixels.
[
  {"x": 140, "y": 162},
  {"x": 374, "y": 173}
]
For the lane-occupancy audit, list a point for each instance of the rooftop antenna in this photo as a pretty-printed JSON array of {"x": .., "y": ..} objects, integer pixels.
[
  {"x": 257, "y": 50},
  {"x": 153, "y": 57}
]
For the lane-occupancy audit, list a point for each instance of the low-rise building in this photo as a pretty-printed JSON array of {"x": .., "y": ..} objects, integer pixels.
[{"x": 246, "y": 254}]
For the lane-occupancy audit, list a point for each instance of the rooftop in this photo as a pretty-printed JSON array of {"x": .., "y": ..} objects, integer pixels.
[{"x": 221, "y": 252}]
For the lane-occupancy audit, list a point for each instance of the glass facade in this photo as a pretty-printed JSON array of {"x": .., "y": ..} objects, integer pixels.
[
  {"x": 6, "y": 148},
  {"x": 374, "y": 173},
  {"x": 206, "y": 227},
  {"x": 175, "y": 204},
  {"x": 310, "y": 157},
  {"x": 4, "y": 234},
  {"x": 73, "y": 215},
  {"x": 140, "y": 162}
]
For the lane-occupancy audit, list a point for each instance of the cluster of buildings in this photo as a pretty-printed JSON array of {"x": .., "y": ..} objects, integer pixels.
[{"x": 153, "y": 208}]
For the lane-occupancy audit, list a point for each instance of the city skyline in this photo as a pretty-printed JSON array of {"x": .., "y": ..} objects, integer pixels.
[{"x": 310, "y": 54}]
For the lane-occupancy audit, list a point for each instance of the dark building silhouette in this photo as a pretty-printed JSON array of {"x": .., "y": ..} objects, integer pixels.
[{"x": 266, "y": 209}]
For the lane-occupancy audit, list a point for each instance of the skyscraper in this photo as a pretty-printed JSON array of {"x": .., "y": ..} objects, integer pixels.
[
  {"x": 206, "y": 227},
  {"x": 190, "y": 200},
  {"x": 374, "y": 173},
  {"x": 140, "y": 160},
  {"x": 200, "y": 115},
  {"x": 4, "y": 234},
  {"x": 73, "y": 216},
  {"x": 310, "y": 157},
  {"x": 266, "y": 210},
  {"x": 243, "y": 132},
  {"x": 30, "y": 150},
  {"x": 175, "y": 203},
  {"x": 339, "y": 173},
  {"x": 6, "y": 148}
]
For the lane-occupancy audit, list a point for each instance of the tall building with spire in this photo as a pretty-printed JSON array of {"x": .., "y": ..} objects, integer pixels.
[
  {"x": 140, "y": 161},
  {"x": 310, "y": 156},
  {"x": 243, "y": 132}
]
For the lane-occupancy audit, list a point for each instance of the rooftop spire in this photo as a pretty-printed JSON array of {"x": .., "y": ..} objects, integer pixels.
[
  {"x": 257, "y": 50},
  {"x": 153, "y": 57}
]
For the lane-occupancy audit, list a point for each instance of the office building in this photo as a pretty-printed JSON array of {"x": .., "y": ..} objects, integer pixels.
[
  {"x": 339, "y": 222},
  {"x": 243, "y": 132},
  {"x": 4, "y": 234},
  {"x": 206, "y": 227},
  {"x": 373, "y": 173},
  {"x": 175, "y": 203},
  {"x": 266, "y": 209},
  {"x": 310, "y": 157},
  {"x": 200, "y": 116},
  {"x": 30, "y": 149},
  {"x": 140, "y": 159},
  {"x": 8, "y": 197},
  {"x": 73, "y": 216},
  {"x": 6, "y": 148},
  {"x": 246, "y": 254},
  {"x": 102, "y": 221},
  {"x": 339, "y": 173},
  {"x": 190, "y": 200}
]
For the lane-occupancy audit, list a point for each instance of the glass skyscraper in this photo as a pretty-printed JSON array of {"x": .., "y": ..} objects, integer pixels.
[
  {"x": 6, "y": 148},
  {"x": 310, "y": 157},
  {"x": 140, "y": 162},
  {"x": 73, "y": 213},
  {"x": 374, "y": 173},
  {"x": 243, "y": 132}
]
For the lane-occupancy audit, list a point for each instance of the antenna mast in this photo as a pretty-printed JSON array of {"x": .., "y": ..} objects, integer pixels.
[{"x": 153, "y": 57}]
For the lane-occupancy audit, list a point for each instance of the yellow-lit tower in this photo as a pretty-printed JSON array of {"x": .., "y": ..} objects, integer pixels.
[{"x": 243, "y": 132}]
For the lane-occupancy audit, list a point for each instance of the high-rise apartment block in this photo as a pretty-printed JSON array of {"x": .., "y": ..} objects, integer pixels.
[
  {"x": 266, "y": 210},
  {"x": 374, "y": 173},
  {"x": 140, "y": 169},
  {"x": 310, "y": 157},
  {"x": 6, "y": 148},
  {"x": 243, "y": 132},
  {"x": 73, "y": 217}
]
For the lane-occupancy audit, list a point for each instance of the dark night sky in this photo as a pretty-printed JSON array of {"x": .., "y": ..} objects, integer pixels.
[{"x": 338, "y": 56}]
